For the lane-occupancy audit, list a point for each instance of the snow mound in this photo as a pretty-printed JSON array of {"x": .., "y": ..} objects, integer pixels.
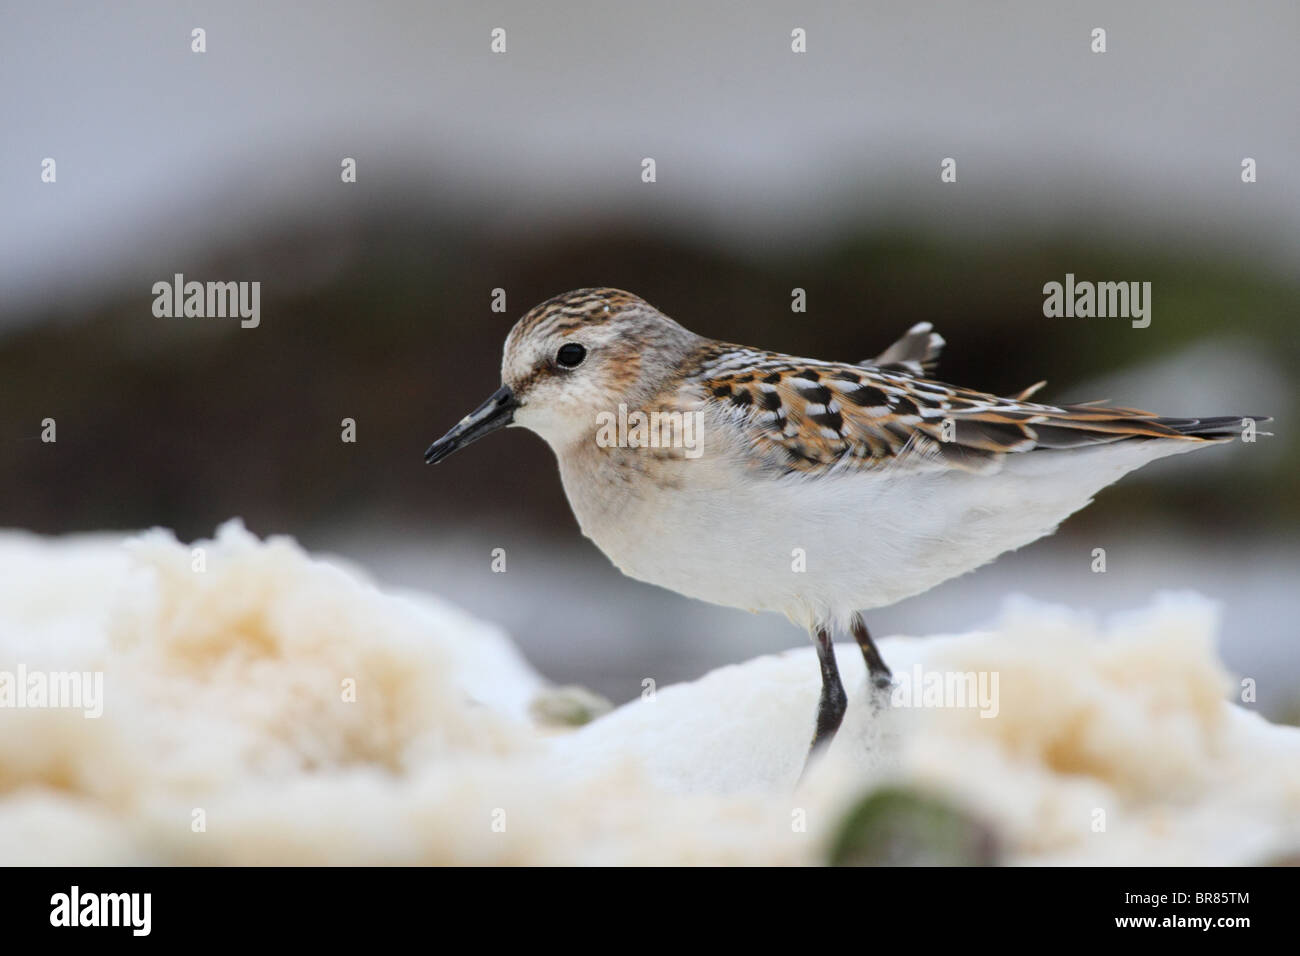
[{"x": 263, "y": 707}]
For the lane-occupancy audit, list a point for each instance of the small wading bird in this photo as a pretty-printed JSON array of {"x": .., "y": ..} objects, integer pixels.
[{"x": 888, "y": 481}]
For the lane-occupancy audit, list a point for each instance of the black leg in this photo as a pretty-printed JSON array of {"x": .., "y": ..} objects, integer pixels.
[
  {"x": 876, "y": 666},
  {"x": 833, "y": 703}
]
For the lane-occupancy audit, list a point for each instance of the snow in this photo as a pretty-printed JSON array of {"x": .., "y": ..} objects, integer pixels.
[{"x": 275, "y": 708}]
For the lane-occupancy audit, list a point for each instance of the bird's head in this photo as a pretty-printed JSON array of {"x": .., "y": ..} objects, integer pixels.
[{"x": 571, "y": 358}]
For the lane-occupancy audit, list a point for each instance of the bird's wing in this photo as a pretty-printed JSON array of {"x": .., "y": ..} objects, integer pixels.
[
  {"x": 916, "y": 353},
  {"x": 812, "y": 417}
]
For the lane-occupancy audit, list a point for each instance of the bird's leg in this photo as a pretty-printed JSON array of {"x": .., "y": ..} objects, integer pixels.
[
  {"x": 877, "y": 669},
  {"x": 833, "y": 703}
]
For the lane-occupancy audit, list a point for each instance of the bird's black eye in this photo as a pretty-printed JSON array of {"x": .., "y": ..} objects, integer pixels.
[{"x": 570, "y": 355}]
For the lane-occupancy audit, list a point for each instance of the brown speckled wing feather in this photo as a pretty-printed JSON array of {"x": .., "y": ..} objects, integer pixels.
[{"x": 813, "y": 417}]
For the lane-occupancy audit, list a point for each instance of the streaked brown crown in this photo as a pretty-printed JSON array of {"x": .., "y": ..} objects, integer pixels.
[{"x": 572, "y": 310}]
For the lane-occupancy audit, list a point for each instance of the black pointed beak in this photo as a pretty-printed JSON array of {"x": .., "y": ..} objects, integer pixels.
[{"x": 497, "y": 412}]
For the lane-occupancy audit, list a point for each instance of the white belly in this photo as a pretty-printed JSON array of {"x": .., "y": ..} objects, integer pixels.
[{"x": 817, "y": 549}]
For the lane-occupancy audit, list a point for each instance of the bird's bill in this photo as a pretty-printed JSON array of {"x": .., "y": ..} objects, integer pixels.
[{"x": 497, "y": 412}]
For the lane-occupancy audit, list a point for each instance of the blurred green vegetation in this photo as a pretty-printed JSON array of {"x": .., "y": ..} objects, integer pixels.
[
  {"x": 903, "y": 826},
  {"x": 185, "y": 422}
]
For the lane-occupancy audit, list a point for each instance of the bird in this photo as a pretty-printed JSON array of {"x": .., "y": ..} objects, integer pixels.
[{"x": 815, "y": 489}]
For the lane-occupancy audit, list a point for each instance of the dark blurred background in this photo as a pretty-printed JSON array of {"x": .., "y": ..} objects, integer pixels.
[{"x": 522, "y": 171}]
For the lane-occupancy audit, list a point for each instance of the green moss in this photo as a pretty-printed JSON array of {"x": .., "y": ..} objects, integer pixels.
[{"x": 897, "y": 826}]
